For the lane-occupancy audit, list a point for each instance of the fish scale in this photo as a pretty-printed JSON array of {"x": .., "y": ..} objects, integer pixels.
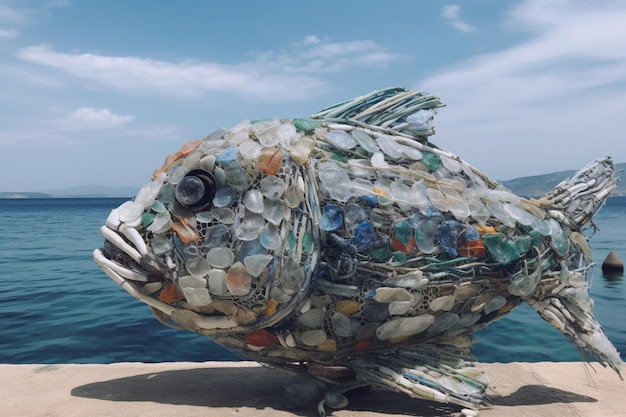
[{"x": 347, "y": 240}]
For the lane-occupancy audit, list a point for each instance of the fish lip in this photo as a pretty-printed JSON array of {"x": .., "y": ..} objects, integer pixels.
[{"x": 117, "y": 254}]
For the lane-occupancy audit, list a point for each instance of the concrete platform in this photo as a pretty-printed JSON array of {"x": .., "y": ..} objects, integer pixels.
[{"x": 245, "y": 389}]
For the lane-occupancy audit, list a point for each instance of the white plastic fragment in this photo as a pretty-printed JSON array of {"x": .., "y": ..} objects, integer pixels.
[
  {"x": 101, "y": 260},
  {"x": 133, "y": 235},
  {"x": 149, "y": 192},
  {"x": 118, "y": 241},
  {"x": 113, "y": 219}
]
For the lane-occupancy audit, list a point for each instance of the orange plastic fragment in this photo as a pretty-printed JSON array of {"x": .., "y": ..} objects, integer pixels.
[
  {"x": 189, "y": 147},
  {"x": 270, "y": 307},
  {"x": 170, "y": 294},
  {"x": 184, "y": 150},
  {"x": 270, "y": 160},
  {"x": 381, "y": 193},
  {"x": 361, "y": 345},
  {"x": 483, "y": 230},
  {"x": 408, "y": 249},
  {"x": 169, "y": 160},
  {"x": 472, "y": 248},
  {"x": 261, "y": 338},
  {"x": 186, "y": 233}
]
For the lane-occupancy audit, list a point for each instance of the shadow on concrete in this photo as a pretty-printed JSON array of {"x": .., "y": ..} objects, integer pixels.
[
  {"x": 262, "y": 388},
  {"x": 258, "y": 388},
  {"x": 539, "y": 395}
]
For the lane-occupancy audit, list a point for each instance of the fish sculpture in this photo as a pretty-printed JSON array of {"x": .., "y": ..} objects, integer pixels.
[{"x": 348, "y": 247}]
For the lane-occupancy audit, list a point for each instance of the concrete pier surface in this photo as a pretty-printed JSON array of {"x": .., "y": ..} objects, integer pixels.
[{"x": 245, "y": 389}]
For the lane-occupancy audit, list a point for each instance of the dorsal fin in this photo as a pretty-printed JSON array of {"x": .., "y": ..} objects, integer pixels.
[{"x": 387, "y": 110}]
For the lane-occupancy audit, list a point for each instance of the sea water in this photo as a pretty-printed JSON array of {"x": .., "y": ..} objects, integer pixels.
[{"x": 57, "y": 306}]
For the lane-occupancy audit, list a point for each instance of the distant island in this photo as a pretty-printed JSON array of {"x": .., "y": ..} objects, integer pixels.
[
  {"x": 533, "y": 186},
  {"x": 83, "y": 191}
]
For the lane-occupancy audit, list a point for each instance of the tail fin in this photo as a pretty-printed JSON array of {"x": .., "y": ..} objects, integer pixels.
[
  {"x": 563, "y": 297},
  {"x": 577, "y": 199}
]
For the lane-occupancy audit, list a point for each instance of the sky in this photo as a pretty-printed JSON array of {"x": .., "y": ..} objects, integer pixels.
[{"x": 101, "y": 92}]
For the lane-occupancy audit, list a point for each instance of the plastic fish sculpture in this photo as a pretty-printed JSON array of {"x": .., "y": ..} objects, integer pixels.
[{"x": 348, "y": 247}]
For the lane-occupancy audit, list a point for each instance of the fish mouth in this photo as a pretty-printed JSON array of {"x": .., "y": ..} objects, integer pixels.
[
  {"x": 120, "y": 265},
  {"x": 141, "y": 275},
  {"x": 126, "y": 254},
  {"x": 125, "y": 258}
]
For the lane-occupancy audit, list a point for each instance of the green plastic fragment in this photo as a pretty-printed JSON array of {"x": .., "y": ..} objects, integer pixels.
[
  {"x": 501, "y": 248},
  {"x": 306, "y": 125},
  {"x": 337, "y": 157},
  {"x": 399, "y": 256},
  {"x": 431, "y": 160},
  {"x": 147, "y": 218},
  {"x": 307, "y": 241},
  {"x": 535, "y": 237},
  {"x": 381, "y": 254},
  {"x": 291, "y": 239},
  {"x": 158, "y": 207},
  {"x": 523, "y": 244},
  {"x": 403, "y": 231}
]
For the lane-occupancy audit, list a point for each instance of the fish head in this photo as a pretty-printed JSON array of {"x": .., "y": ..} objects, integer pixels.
[{"x": 221, "y": 228}]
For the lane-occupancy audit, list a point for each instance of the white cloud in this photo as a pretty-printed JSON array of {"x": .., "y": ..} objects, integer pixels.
[
  {"x": 19, "y": 75},
  {"x": 331, "y": 51},
  {"x": 574, "y": 52},
  {"x": 310, "y": 40},
  {"x": 8, "y": 33},
  {"x": 10, "y": 17},
  {"x": 88, "y": 118},
  {"x": 341, "y": 55},
  {"x": 551, "y": 100},
  {"x": 283, "y": 75},
  {"x": 8, "y": 14},
  {"x": 150, "y": 76},
  {"x": 325, "y": 57},
  {"x": 452, "y": 15},
  {"x": 90, "y": 125}
]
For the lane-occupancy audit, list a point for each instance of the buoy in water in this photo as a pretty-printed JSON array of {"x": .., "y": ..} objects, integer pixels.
[{"x": 612, "y": 264}]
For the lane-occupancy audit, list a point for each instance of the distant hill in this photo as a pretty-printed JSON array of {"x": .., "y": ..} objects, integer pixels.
[
  {"x": 24, "y": 195},
  {"x": 538, "y": 185},
  {"x": 95, "y": 191},
  {"x": 533, "y": 186},
  {"x": 83, "y": 191}
]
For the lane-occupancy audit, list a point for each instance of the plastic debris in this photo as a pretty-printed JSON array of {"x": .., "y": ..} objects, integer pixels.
[{"x": 347, "y": 239}]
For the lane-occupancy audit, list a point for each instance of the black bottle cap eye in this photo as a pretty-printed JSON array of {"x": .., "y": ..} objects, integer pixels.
[{"x": 196, "y": 190}]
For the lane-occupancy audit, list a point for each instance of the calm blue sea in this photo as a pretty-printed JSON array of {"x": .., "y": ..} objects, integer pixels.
[{"x": 56, "y": 306}]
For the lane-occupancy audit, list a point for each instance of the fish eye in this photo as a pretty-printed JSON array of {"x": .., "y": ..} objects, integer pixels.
[{"x": 196, "y": 190}]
